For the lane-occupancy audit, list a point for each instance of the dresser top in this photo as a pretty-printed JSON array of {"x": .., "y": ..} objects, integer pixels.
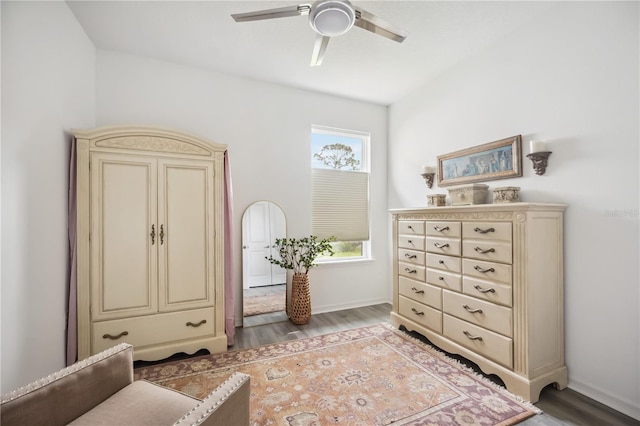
[{"x": 501, "y": 207}]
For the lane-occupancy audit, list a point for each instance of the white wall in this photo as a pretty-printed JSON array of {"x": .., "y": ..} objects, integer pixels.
[
  {"x": 47, "y": 86},
  {"x": 267, "y": 130},
  {"x": 569, "y": 78}
]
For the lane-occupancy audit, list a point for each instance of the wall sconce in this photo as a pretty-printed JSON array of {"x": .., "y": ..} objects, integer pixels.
[
  {"x": 539, "y": 157},
  {"x": 428, "y": 173}
]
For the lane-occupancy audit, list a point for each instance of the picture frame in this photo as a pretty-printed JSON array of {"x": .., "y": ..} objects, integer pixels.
[{"x": 500, "y": 159}]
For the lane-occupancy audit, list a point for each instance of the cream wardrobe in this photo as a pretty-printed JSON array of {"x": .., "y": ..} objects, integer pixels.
[{"x": 149, "y": 241}]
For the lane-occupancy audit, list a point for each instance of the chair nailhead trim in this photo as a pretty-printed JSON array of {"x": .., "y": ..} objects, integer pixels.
[
  {"x": 33, "y": 386},
  {"x": 210, "y": 405}
]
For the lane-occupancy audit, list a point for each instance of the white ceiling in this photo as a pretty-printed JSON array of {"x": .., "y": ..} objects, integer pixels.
[{"x": 358, "y": 64}]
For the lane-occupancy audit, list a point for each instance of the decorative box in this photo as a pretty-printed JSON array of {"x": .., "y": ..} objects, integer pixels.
[
  {"x": 469, "y": 194},
  {"x": 506, "y": 194},
  {"x": 436, "y": 200}
]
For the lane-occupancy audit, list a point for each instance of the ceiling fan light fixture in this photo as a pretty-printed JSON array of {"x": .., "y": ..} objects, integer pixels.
[{"x": 332, "y": 17}]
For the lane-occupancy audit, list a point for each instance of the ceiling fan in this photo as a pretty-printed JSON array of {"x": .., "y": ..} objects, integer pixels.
[{"x": 329, "y": 18}]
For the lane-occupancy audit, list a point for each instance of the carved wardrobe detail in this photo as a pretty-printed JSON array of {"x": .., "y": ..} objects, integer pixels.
[
  {"x": 150, "y": 230},
  {"x": 486, "y": 282}
]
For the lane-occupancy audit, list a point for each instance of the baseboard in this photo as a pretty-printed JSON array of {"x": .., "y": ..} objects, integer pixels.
[
  {"x": 626, "y": 407},
  {"x": 350, "y": 305}
]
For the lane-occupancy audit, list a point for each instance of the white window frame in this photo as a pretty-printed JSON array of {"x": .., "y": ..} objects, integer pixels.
[{"x": 365, "y": 167}]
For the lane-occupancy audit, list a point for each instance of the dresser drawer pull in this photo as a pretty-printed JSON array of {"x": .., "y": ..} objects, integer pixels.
[
  {"x": 108, "y": 336},
  {"x": 410, "y": 241},
  {"x": 415, "y": 311},
  {"x": 416, "y": 291},
  {"x": 190, "y": 324},
  {"x": 441, "y": 278},
  {"x": 484, "y": 290},
  {"x": 484, "y": 271},
  {"x": 438, "y": 245},
  {"x": 410, "y": 271},
  {"x": 437, "y": 228},
  {"x": 470, "y": 336},
  {"x": 472, "y": 310},
  {"x": 441, "y": 262},
  {"x": 410, "y": 227},
  {"x": 410, "y": 256},
  {"x": 484, "y": 231},
  {"x": 481, "y": 251}
]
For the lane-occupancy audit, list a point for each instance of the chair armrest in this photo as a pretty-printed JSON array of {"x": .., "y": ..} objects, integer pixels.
[
  {"x": 65, "y": 395},
  {"x": 228, "y": 404}
]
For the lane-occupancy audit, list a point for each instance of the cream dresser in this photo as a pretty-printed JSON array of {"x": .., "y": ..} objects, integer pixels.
[
  {"x": 486, "y": 282},
  {"x": 150, "y": 261}
]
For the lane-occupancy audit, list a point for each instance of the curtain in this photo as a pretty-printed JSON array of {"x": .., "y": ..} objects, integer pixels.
[
  {"x": 229, "y": 308},
  {"x": 72, "y": 317}
]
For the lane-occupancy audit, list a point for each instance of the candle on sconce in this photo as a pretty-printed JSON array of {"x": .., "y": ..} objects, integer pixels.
[
  {"x": 428, "y": 169},
  {"x": 537, "y": 146}
]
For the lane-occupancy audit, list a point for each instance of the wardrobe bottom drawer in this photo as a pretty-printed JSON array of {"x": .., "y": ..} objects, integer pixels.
[
  {"x": 484, "y": 342},
  {"x": 153, "y": 329},
  {"x": 422, "y": 314}
]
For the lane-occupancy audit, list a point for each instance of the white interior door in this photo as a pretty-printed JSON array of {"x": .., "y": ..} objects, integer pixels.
[{"x": 256, "y": 245}]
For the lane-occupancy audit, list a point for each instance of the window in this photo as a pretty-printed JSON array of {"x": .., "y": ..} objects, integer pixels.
[{"x": 340, "y": 190}]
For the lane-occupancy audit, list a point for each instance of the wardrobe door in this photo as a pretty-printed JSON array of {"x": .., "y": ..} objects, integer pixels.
[
  {"x": 186, "y": 225},
  {"x": 123, "y": 236}
]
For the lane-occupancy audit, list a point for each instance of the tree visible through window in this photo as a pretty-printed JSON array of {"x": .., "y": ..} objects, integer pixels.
[
  {"x": 338, "y": 156},
  {"x": 346, "y": 153}
]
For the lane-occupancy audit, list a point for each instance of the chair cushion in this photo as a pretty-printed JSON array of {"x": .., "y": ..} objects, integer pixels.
[{"x": 140, "y": 403}]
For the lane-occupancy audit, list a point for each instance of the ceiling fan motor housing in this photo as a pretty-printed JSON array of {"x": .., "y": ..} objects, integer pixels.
[{"x": 332, "y": 17}]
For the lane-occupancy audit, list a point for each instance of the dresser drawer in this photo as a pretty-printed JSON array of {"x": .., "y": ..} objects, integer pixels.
[
  {"x": 446, "y": 263},
  {"x": 448, "y": 246},
  {"x": 498, "y": 272},
  {"x": 443, "y": 229},
  {"x": 422, "y": 314},
  {"x": 488, "y": 290},
  {"x": 485, "y": 314},
  {"x": 493, "y": 251},
  {"x": 487, "y": 343},
  {"x": 448, "y": 280},
  {"x": 411, "y": 256},
  {"x": 411, "y": 227},
  {"x": 411, "y": 242},
  {"x": 499, "y": 231},
  {"x": 420, "y": 292},
  {"x": 153, "y": 329},
  {"x": 415, "y": 272}
]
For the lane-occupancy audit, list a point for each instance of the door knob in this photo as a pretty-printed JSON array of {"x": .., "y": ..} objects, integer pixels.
[{"x": 245, "y": 247}]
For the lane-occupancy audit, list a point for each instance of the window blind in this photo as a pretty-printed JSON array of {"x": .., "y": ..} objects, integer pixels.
[{"x": 340, "y": 204}]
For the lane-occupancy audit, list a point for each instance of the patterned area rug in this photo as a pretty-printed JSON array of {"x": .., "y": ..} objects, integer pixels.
[
  {"x": 256, "y": 305},
  {"x": 374, "y": 375}
]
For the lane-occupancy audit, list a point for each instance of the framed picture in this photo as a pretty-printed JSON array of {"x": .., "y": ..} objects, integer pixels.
[{"x": 490, "y": 161}]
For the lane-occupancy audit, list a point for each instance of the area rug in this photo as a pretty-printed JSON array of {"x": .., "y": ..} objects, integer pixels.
[
  {"x": 256, "y": 305},
  {"x": 375, "y": 375}
]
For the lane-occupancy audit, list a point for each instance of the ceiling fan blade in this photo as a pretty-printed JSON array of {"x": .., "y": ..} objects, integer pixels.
[
  {"x": 281, "y": 12},
  {"x": 318, "y": 49},
  {"x": 371, "y": 22}
]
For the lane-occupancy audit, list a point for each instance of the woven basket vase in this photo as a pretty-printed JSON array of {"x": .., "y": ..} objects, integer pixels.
[{"x": 300, "y": 310}]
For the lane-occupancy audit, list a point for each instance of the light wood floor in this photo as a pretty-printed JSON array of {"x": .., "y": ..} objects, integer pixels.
[{"x": 565, "y": 407}]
